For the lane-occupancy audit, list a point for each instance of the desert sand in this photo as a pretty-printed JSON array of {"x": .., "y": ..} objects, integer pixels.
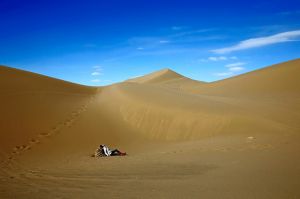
[{"x": 234, "y": 138}]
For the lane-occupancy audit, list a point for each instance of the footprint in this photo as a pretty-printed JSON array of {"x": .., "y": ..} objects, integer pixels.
[
  {"x": 74, "y": 113},
  {"x": 48, "y": 134},
  {"x": 27, "y": 148},
  {"x": 56, "y": 131},
  {"x": 55, "y": 128},
  {"x": 34, "y": 141},
  {"x": 68, "y": 123},
  {"x": 44, "y": 134},
  {"x": 16, "y": 148},
  {"x": 22, "y": 147}
]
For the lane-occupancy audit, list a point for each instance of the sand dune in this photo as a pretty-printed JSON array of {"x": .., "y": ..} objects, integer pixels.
[
  {"x": 167, "y": 78},
  {"x": 32, "y": 104},
  {"x": 160, "y": 76},
  {"x": 186, "y": 139}
]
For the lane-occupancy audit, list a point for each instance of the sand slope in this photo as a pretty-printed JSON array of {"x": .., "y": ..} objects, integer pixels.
[
  {"x": 32, "y": 105},
  {"x": 186, "y": 139}
]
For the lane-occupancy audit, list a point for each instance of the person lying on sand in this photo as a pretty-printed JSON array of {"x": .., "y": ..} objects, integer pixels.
[{"x": 105, "y": 151}]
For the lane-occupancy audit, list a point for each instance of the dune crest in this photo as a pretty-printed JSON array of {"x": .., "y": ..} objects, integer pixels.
[
  {"x": 167, "y": 78},
  {"x": 157, "y": 77}
]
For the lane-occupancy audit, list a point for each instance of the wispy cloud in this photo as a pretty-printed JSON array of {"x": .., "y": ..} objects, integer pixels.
[
  {"x": 97, "y": 70},
  {"x": 261, "y": 41},
  {"x": 179, "y": 37},
  {"x": 236, "y": 69},
  {"x": 218, "y": 58},
  {"x": 191, "y": 32},
  {"x": 232, "y": 69},
  {"x": 184, "y": 40},
  {"x": 96, "y": 73}
]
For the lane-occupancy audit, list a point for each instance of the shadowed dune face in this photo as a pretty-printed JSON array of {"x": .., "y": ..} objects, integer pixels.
[
  {"x": 164, "y": 114},
  {"x": 160, "y": 119}
]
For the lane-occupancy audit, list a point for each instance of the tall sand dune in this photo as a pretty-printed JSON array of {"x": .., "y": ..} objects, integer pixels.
[{"x": 235, "y": 138}]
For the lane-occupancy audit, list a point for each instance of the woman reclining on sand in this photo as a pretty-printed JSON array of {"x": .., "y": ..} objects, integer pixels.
[{"x": 105, "y": 151}]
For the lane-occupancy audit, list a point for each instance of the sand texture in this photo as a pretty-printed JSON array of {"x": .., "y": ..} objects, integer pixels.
[{"x": 234, "y": 138}]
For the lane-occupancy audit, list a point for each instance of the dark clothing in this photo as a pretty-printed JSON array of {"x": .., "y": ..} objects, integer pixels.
[{"x": 115, "y": 152}]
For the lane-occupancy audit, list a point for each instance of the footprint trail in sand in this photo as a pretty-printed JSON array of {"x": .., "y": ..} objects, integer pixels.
[{"x": 68, "y": 122}]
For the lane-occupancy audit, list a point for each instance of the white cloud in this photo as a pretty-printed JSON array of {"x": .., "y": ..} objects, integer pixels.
[
  {"x": 95, "y": 73},
  {"x": 260, "y": 41},
  {"x": 192, "y": 32},
  {"x": 235, "y": 64},
  {"x": 236, "y": 69},
  {"x": 212, "y": 59},
  {"x": 217, "y": 58},
  {"x": 140, "y": 48},
  {"x": 232, "y": 69}
]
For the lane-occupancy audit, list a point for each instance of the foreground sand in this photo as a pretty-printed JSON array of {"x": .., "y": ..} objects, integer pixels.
[
  {"x": 236, "y": 138},
  {"x": 224, "y": 167}
]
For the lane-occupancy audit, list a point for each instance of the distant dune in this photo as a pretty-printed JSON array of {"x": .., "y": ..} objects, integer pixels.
[
  {"x": 234, "y": 138},
  {"x": 167, "y": 78}
]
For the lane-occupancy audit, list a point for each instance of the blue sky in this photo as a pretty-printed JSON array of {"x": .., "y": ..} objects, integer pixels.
[{"x": 99, "y": 42}]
